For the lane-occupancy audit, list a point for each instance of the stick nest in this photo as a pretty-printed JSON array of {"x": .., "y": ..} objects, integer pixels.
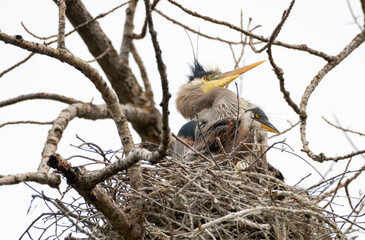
[{"x": 195, "y": 200}]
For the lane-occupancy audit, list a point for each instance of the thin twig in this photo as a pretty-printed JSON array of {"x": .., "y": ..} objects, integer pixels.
[
  {"x": 353, "y": 210},
  {"x": 341, "y": 128},
  {"x": 41, "y": 95},
  {"x": 144, "y": 27},
  {"x": 100, "y": 56},
  {"x": 36, "y": 36},
  {"x": 25, "y": 122},
  {"x": 353, "y": 15},
  {"x": 146, "y": 82},
  {"x": 16, "y": 65},
  {"x": 300, "y": 47},
  {"x": 363, "y": 9},
  {"x": 101, "y": 15},
  {"x": 191, "y": 148},
  {"x": 52, "y": 36},
  {"x": 334, "y": 191},
  {"x": 285, "y": 131},
  {"x": 186, "y": 27},
  {"x": 348, "y": 137},
  {"x": 205, "y": 141},
  {"x": 125, "y": 47}
]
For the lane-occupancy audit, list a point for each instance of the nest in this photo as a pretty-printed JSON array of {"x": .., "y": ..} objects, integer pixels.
[{"x": 195, "y": 200}]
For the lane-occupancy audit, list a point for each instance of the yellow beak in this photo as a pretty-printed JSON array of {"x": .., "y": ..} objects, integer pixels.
[
  {"x": 269, "y": 127},
  {"x": 224, "y": 79}
]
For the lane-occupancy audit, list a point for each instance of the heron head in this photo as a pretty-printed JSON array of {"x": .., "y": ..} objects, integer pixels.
[
  {"x": 259, "y": 120},
  {"x": 207, "y": 80}
]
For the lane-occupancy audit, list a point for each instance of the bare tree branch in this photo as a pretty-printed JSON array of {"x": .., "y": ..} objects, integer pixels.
[
  {"x": 41, "y": 95},
  {"x": 195, "y": 31},
  {"x": 73, "y": 218},
  {"x": 88, "y": 110},
  {"x": 285, "y": 131},
  {"x": 16, "y": 65},
  {"x": 76, "y": 28},
  {"x": 81, "y": 110},
  {"x": 127, "y": 198},
  {"x": 91, "y": 73},
  {"x": 363, "y": 9},
  {"x": 143, "y": 71},
  {"x": 353, "y": 15},
  {"x": 164, "y": 82},
  {"x": 300, "y": 47},
  {"x": 349, "y": 138},
  {"x": 128, "y": 31},
  {"x": 100, "y": 56},
  {"x": 96, "y": 195},
  {"x": 354, "y": 209},
  {"x": 343, "y": 129},
  {"x": 24, "y": 122},
  {"x": 90, "y": 179},
  {"x": 39, "y": 37},
  {"x": 144, "y": 27},
  {"x": 118, "y": 73},
  {"x": 67, "y": 34},
  {"x": 355, "y": 43},
  {"x": 61, "y": 24},
  {"x": 278, "y": 71},
  {"x": 53, "y": 180},
  {"x": 55, "y": 133},
  {"x": 347, "y": 182},
  {"x": 335, "y": 190}
]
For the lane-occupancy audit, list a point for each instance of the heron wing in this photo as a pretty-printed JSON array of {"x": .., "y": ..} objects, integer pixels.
[{"x": 187, "y": 134}]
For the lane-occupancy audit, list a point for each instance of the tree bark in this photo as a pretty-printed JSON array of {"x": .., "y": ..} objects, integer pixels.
[{"x": 122, "y": 80}]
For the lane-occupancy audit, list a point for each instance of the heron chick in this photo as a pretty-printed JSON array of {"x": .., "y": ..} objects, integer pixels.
[
  {"x": 232, "y": 136},
  {"x": 253, "y": 121}
]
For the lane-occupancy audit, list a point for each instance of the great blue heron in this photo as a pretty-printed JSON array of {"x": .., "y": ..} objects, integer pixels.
[
  {"x": 205, "y": 99},
  {"x": 204, "y": 95}
]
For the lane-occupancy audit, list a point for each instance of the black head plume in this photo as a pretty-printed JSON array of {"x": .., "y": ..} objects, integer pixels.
[{"x": 198, "y": 71}]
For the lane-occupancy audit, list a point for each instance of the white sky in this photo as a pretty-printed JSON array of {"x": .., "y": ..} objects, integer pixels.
[{"x": 325, "y": 25}]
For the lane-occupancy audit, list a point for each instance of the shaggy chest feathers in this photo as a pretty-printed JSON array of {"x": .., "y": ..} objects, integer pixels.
[{"x": 213, "y": 105}]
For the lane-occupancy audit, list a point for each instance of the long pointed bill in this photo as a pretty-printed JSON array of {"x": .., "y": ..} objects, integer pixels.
[
  {"x": 269, "y": 127},
  {"x": 232, "y": 75},
  {"x": 224, "y": 79}
]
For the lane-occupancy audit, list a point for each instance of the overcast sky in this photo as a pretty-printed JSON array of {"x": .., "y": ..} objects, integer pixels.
[{"x": 325, "y": 25}]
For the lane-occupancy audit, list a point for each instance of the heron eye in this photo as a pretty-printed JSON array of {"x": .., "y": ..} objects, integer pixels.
[
  {"x": 206, "y": 79},
  {"x": 257, "y": 115}
]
